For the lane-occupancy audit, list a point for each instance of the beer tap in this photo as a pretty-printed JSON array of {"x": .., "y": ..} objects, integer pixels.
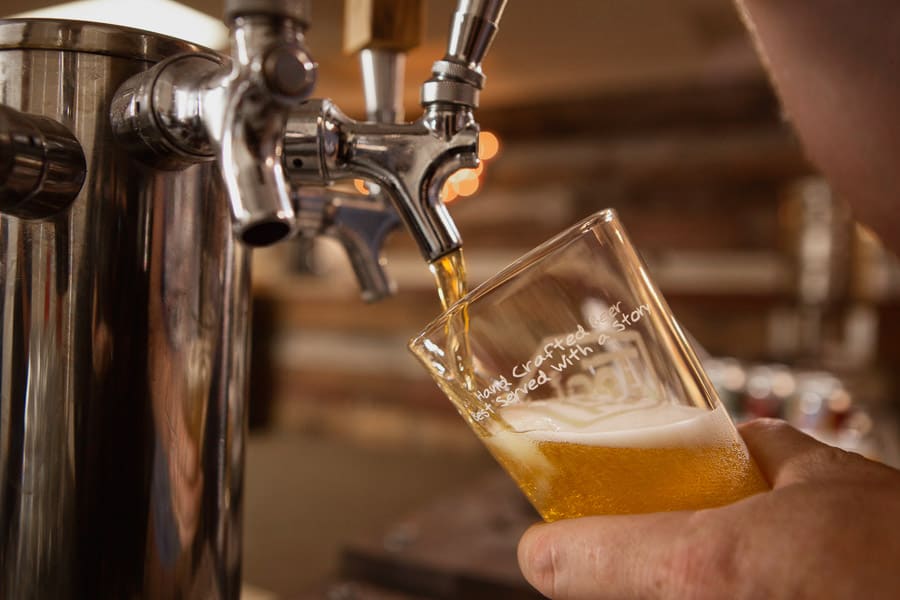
[
  {"x": 408, "y": 161},
  {"x": 193, "y": 108}
]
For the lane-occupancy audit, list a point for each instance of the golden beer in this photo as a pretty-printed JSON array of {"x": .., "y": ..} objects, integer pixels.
[
  {"x": 450, "y": 277},
  {"x": 662, "y": 458}
]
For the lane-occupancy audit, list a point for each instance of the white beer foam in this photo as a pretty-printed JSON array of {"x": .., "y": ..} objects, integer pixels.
[{"x": 662, "y": 425}]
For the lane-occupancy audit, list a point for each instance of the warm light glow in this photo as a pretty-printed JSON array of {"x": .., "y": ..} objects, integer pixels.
[
  {"x": 159, "y": 16},
  {"x": 840, "y": 401},
  {"x": 360, "y": 186},
  {"x": 488, "y": 145},
  {"x": 464, "y": 175},
  {"x": 466, "y": 182},
  {"x": 467, "y": 186},
  {"x": 448, "y": 192}
]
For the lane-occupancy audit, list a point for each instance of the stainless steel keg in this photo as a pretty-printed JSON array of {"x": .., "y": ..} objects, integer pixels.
[{"x": 123, "y": 339}]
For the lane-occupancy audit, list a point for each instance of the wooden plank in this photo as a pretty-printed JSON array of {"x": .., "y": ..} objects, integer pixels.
[
  {"x": 354, "y": 590},
  {"x": 686, "y": 106},
  {"x": 751, "y": 154}
]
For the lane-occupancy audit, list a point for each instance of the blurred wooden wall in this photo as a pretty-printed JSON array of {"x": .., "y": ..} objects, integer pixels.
[{"x": 699, "y": 174}]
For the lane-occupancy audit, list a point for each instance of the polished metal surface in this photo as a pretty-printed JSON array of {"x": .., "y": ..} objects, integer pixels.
[
  {"x": 382, "y": 74},
  {"x": 41, "y": 165},
  {"x": 184, "y": 111},
  {"x": 91, "y": 38},
  {"x": 123, "y": 334},
  {"x": 360, "y": 223},
  {"x": 156, "y": 114},
  {"x": 473, "y": 31},
  {"x": 124, "y": 317},
  {"x": 409, "y": 161},
  {"x": 458, "y": 79},
  {"x": 190, "y": 109}
]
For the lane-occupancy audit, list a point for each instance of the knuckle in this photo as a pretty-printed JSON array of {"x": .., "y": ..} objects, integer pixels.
[
  {"x": 826, "y": 462},
  {"x": 764, "y": 425},
  {"x": 833, "y": 456},
  {"x": 539, "y": 555}
]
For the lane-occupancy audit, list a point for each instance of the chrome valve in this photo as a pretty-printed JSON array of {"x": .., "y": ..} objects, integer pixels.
[
  {"x": 42, "y": 166},
  {"x": 194, "y": 108}
]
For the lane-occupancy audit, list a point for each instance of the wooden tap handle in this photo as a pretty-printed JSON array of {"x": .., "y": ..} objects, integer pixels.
[{"x": 383, "y": 24}]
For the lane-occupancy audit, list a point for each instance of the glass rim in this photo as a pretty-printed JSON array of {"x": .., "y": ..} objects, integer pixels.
[{"x": 559, "y": 241}]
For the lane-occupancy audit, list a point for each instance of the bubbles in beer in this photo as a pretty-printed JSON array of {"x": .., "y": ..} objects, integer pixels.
[{"x": 667, "y": 457}]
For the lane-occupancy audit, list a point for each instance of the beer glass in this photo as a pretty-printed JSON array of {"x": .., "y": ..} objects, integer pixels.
[{"x": 570, "y": 367}]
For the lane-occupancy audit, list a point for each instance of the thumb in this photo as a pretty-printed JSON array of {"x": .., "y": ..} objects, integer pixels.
[{"x": 600, "y": 557}]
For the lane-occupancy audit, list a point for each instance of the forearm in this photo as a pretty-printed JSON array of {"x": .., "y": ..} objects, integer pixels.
[{"x": 836, "y": 65}]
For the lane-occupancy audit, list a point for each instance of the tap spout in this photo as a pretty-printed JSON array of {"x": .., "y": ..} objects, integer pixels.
[
  {"x": 247, "y": 113},
  {"x": 409, "y": 161}
]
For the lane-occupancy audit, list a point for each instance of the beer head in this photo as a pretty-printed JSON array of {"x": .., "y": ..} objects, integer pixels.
[{"x": 658, "y": 425}]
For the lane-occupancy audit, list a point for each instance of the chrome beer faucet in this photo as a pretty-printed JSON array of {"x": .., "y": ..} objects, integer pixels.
[
  {"x": 252, "y": 116},
  {"x": 408, "y": 161},
  {"x": 193, "y": 108}
]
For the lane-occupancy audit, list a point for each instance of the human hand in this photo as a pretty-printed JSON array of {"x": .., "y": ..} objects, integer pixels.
[
  {"x": 830, "y": 528},
  {"x": 834, "y": 65}
]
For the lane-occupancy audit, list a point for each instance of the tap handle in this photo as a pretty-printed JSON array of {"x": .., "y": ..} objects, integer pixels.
[
  {"x": 473, "y": 30},
  {"x": 298, "y": 10},
  {"x": 362, "y": 226},
  {"x": 382, "y": 24},
  {"x": 457, "y": 78},
  {"x": 383, "y": 31}
]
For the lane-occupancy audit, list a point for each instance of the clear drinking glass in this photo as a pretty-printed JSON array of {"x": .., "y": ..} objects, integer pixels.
[{"x": 571, "y": 368}]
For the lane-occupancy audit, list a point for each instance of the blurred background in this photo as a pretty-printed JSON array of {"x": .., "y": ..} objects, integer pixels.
[{"x": 658, "y": 109}]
